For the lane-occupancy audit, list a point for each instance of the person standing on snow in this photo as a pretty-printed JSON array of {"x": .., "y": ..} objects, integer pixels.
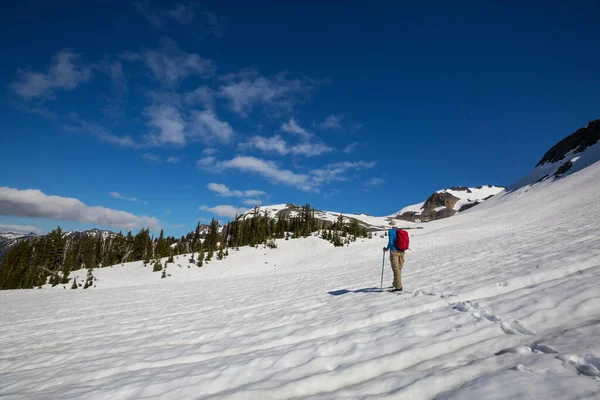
[{"x": 396, "y": 256}]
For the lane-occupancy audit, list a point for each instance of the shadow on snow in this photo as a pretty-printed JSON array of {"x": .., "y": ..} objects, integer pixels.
[{"x": 365, "y": 290}]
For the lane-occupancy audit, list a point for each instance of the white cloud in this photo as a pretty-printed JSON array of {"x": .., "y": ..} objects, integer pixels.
[
  {"x": 224, "y": 191},
  {"x": 335, "y": 171},
  {"x": 375, "y": 182},
  {"x": 20, "y": 229},
  {"x": 310, "y": 149},
  {"x": 292, "y": 127},
  {"x": 207, "y": 125},
  {"x": 170, "y": 64},
  {"x": 202, "y": 95},
  {"x": 209, "y": 151},
  {"x": 33, "y": 203},
  {"x": 225, "y": 210},
  {"x": 206, "y": 162},
  {"x": 267, "y": 169},
  {"x": 350, "y": 148},
  {"x": 276, "y": 144},
  {"x": 307, "y": 182},
  {"x": 254, "y": 193},
  {"x": 65, "y": 72},
  {"x": 169, "y": 123},
  {"x": 118, "y": 195},
  {"x": 248, "y": 89},
  {"x": 252, "y": 202},
  {"x": 332, "y": 122},
  {"x": 173, "y": 160}
]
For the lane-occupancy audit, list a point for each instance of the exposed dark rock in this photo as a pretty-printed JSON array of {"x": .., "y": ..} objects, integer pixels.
[
  {"x": 429, "y": 213},
  {"x": 542, "y": 178},
  {"x": 470, "y": 205},
  {"x": 576, "y": 143},
  {"x": 563, "y": 168},
  {"x": 461, "y": 189}
]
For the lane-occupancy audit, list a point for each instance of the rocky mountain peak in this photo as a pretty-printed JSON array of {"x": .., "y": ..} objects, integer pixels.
[{"x": 574, "y": 143}]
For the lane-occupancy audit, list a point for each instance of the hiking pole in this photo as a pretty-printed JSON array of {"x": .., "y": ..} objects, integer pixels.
[{"x": 382, "y": 264}]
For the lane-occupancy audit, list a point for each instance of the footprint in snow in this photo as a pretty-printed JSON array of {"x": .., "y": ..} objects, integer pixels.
[
  {"x": 514, "y": 327},
  {"x": 586, "y": 365}
]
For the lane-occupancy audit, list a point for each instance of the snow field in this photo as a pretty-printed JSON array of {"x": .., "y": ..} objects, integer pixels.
[{"x": 502, "y": 304}]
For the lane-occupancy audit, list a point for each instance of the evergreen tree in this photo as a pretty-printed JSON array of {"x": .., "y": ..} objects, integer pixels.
[
  {"x": 74, "y": 286},
  {"x": 200, "y": 255}
]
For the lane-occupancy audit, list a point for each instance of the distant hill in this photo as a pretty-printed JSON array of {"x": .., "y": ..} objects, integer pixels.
[{"x": 447, "y": 202}]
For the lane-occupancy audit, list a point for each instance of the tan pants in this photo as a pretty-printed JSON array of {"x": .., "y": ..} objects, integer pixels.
[{"x": 397, "y": 260}]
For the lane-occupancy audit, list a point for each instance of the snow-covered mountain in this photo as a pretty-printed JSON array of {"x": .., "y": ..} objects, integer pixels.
[
  {"x": 447, "y": 202},
  {"x": 6, "y": 236},
  {"x": 9, "y": 239},
  {"x": 91, "y": 232},
  {"x": 441, "y": 204},
  {"x": 327, "y": 217},
  {"x": 501, "y": 302},
  {"x": 574, "y": 153}
]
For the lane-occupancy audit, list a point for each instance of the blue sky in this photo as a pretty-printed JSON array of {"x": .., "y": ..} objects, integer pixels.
[{"x": 119, "y": 114}]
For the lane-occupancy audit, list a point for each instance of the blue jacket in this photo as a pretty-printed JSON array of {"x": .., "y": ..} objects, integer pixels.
[{"x": 392, "y": 242}]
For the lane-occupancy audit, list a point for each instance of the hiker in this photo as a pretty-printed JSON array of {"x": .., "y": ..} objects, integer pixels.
[{"x": 396, "y": 255}]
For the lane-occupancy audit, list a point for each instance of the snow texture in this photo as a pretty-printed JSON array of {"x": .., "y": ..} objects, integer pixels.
[{"x": 503, "y": 304}]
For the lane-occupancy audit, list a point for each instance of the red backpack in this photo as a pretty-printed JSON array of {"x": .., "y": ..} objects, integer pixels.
[{"x": 402, "y": 241}]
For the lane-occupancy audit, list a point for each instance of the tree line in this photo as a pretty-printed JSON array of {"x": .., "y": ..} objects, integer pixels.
[{"x": 36, "y": 261}]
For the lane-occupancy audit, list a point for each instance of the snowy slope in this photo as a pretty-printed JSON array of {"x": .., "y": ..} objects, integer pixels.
[{"x": 498, "y": 308}]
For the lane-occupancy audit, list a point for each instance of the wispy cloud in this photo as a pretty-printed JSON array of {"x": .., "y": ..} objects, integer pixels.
[
  {"x": 188, "y": 14},
  {"x": 209, "y": 151},
  {"x": 228, "y": 211},
  {"x": 101, "y": 133},
  {"x": 118, "y": 195},
  {"x": 248, "y": 89},
  {"x": 66, "y": 72},
  {"x": 350, "y": 148},
  {"x": 310, "y": 181},
  {"x": 208, "y": 126},
  {"x": 20, "y": 229},
  {"x": 267, "y": 169},
  {"x": 168, "y": 124},
  {"x": 173, "y": 160},
  {"x": 206, "y": 162},
  {"x": 35, "y": 109},
  {"x": 151, "y": 157},
  {"x": 332, "y": 122},
  {"x": 335, "y": 171},
  {"x": 223, "y": 190},
  {"x": 276, "y": 144},
  {"x": 33, "y": 203},
  {"x": 203, "y": 95},
  {"x": 292, "y": 127},
  {"x": 252, "y": 202},
  {"x": 169, "y": 65},
  {"x": 375, "y": 182}
]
